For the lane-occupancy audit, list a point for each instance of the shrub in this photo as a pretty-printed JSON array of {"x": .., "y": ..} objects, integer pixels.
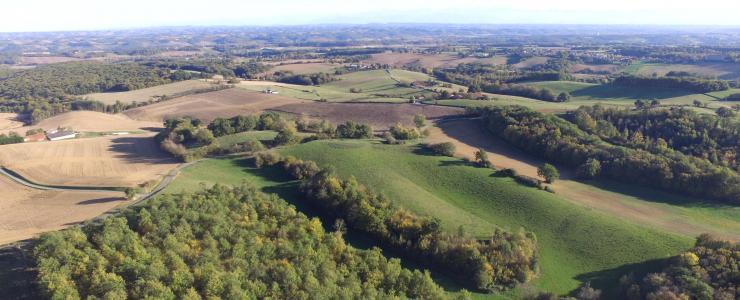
[
  {"x": 446, "y": 149},
  {"x": 404, "y": 133},
  {"x": 266, "y": 158},
  {"x": 353, "y": 130},
  {"x": 549, "y": 172},
  {"x": 248, "y": 146}
]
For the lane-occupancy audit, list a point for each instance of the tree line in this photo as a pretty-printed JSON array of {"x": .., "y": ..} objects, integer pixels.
[
  {"x": 709, "y": 270},
  {"x": 715, "y": 138},
  {"x": 495, "y": 263},
  {"x": 230, "y": 243},
  {"x": 303, "y": 79},
  {"x": 556, "y": 139},
  {"x": 477, "y": 83},
  {"x": 684, "y": 83}
]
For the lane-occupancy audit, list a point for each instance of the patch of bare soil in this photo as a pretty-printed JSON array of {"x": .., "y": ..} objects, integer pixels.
[
  {"x": 208, "y": 106},
  {"x": 379, "y": 115}
]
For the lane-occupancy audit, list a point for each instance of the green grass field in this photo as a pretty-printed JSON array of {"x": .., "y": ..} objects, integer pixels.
[
  {"x": 727, "y": 71},
  {"x": 227, "y": 141},
  {"x": 576, "y": 244}
]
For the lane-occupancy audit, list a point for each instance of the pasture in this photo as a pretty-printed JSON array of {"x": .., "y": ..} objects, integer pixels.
[
  {"x": 441, "y": 60},
  {"x": 576, "y": 244},
  {"x": 227, "y": 141},
  {"x": 727, "y": 71},
  {"x": 146, "y": 94},
  {"x": 208, "y": 106},
  {"x": 655, "y": 209},
  {"x": 119, "y": 161}
]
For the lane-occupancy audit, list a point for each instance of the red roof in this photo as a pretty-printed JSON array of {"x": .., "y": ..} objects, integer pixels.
[{"x": 35, "y": 137}]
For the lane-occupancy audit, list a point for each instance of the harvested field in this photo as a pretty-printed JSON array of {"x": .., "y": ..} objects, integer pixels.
[
  {"x": 379, "y": 115},
  {"x": 90, "y": 121},
  {"x": 144, "y": 95},
  {"x": 641, "y": 206},
  {"x": 25, "y": 212},
  {"x": 726, "y": 71},
  {"x": 430, "y": 60},
  {"x": 44, "y": 60},
  {"x": 9, "y": 121},
  {"x": 531, "y": 62},
  {"x": 305, "y": 68},
  {"x": 595, "y": 68},
  {"x": 120, "y": 161},
  {"x": 208, "y": 106}
]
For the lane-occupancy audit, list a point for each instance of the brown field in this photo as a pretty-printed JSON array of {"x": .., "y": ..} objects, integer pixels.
[
  {"x": 89, "y": 121},
  {"x": 379, "y": 115},
  {"x": 119, "y": 161},
  {"x": 43, "y": 60},
  {"x": 9, "y": 121},
  {"x": 26, "y": 212},
  {"x": 468, "y": 136},
  {"x": 143, "y": 95},
  {"x": 531, "y": 62},
  {"x": 428, "y": 60},
  {"x": 207, "y": 106},
  {"x": 595, "y": 68},
  {"x": 305, "y": 68}
]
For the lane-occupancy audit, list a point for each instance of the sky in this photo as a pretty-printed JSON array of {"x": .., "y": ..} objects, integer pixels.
[{"x": 56, "y": 15}]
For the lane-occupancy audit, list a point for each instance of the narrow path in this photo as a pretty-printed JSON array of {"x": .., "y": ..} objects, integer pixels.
[{"x": 468, "y": 136}]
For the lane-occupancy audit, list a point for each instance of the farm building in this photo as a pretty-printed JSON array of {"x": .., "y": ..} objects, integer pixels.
[
  {"x": 39, "y": 137},
  {"x": 56, "y": 135}
]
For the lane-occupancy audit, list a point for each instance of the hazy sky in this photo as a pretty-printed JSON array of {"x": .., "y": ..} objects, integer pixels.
[{"x": 49, "y": 15}]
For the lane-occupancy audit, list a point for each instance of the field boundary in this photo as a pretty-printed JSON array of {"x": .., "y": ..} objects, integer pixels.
[{"x": 26, "y": 182}]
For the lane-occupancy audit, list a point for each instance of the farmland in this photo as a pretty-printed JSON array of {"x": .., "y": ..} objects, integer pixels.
[
  {"x": 117, "y": 161},
  {"x": 728, "y": 71},
  {"x": 429, "y": 60},
  {"x": 88, "y": 121},
  {"x": 587, "y": 245},
  {"x": 207, "y": 106},
  {"x": 25, "y": 212},
  {"x": 150, "y": 93},
  {"x": 305, "y": 68},
  {"x": 378, "y": 115}
]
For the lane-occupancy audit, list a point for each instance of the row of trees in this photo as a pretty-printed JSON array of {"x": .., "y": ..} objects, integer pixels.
[
  {"x": 229, "y": 243},
  {"x": 715, "y": 138},
  {"x": 496, "y": 263},
  {"x": 558, "y": 140},
  {"x": 10, "y": 138},
  {"x": 709, "y": 270},
  {"x": 684, "y": 83},
  {"x": 303, "y": 79}
]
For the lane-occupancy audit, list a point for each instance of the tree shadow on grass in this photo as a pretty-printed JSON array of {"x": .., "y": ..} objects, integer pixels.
[
  {"x": 608, "y": 280},
  {"x": 654, "y": 195}
]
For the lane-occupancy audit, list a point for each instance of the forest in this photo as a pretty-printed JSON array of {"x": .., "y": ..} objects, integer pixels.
[
  {"x": 498, "y": 262},
  {"x": 715, "y": 138},
  {"x": 492, "y": 80},
  {"x": 558, "y": 140},
  {"x": 230, "y": 243},
  {"x": 709, "y": 270},
  {"x": 684, "y": 83}
]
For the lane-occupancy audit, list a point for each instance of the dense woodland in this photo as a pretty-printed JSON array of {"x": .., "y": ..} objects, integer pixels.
[
  {"x": 496, "y": 263},
  {"x": 303, "y": 79},
  {"x": 682, "y": 83},
  {"x": 558, "y": 140},
  {"x": 714, "y": 138},
  {"x": 707, "y": 271},
  {"x": 230, "y": 243}
]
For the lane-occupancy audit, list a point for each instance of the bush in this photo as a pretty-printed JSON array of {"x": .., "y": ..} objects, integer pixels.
[
  {"x": 404, "y": 133},
  {"x": 266, "y": 158},
  {"x": 353, "y": 130},
  {"x": 248, "y": 146},
  {"x": 446, "y": 149},
  {"x": 589, "y": 169},
  {"x": 549, "y": 172},
  {"x": 389, "y": 139}
]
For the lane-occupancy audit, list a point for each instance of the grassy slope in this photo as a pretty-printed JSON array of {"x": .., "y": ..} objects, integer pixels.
[
  {"x": 232, "y": 139},
  {"x": 375, "y": 86},
  {"x": 576, "y": 244}
]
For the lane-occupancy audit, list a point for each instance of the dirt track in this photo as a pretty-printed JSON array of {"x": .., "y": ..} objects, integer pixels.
[{"x": 468, "y": 136}]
